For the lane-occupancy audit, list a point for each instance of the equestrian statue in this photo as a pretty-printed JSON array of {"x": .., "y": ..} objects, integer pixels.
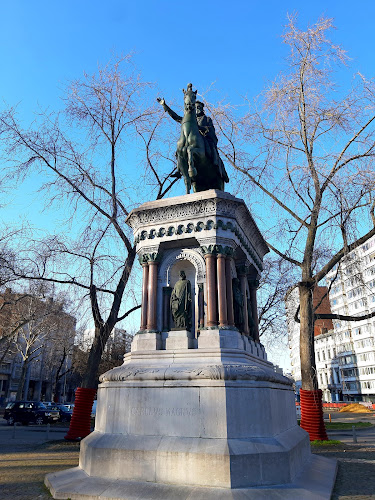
[{"x": 198, "y": 160}]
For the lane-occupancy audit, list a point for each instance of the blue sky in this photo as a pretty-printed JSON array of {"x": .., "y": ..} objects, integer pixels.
[{"x": 236, "y": 45}]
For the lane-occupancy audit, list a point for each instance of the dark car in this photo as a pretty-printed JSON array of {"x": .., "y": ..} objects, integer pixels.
[
  {"x": 28, "y": 412},
  {"x": 65, "y": 413}
]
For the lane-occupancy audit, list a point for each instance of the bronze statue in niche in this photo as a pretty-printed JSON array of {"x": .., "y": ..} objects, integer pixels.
[{"x": 181, "y": 303}]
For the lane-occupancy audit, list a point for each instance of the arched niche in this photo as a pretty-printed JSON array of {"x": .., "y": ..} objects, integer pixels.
[
  {"x": 174, "y": 261},
  {"x": 172, "y": 256}
]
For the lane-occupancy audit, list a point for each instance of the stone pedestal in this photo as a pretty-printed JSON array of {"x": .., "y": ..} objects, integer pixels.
[
  {"x": 179, "y": 339},
  {"x": 147, "y": 341},
  {"x": 199, "y": 414},
  {"x": 184, "y": 419}
]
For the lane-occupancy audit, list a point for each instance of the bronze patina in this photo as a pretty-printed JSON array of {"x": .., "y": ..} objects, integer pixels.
[
  {"x": 198, "y": 159},
  {"x": 181, "y": 303}
]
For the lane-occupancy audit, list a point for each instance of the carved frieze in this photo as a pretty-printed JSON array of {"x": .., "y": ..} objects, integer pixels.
[
  {"x": 192, "y": 372},
  {"x": 182, "y": 211},
  {"x": 199, "y": 215}
]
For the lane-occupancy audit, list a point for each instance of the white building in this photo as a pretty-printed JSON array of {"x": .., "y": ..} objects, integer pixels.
[
  {"x": 353, "y": 293},
  {"x": 345, "y": 355}
]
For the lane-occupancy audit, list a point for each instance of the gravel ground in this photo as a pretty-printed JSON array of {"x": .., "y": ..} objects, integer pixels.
[
  {"x": 356, "y": 471},
  {"x": 23, "y": 467}
]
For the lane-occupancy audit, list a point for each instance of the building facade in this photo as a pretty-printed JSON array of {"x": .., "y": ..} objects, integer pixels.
[
  {"x": 36, "y": 343},
  {"x": 344, "y": 353}
]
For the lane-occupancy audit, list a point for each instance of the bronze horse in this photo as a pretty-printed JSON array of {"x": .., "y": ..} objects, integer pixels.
[{"x": 197, "y": 161}]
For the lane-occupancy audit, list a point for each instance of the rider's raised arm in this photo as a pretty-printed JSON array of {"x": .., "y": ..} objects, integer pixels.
[{"x": 170, "y": 111}]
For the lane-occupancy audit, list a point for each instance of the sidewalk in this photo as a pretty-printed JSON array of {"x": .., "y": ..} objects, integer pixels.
[{"x": 365, "y": 437}]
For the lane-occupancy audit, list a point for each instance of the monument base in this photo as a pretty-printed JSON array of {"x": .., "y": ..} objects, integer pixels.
[{"x": 188, "y": 423}]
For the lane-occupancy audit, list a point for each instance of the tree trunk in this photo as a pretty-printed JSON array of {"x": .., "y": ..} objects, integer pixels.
[
  {"x": 90, "y": 378},
  {"x": 312, "y": 419},
  {"x": 307, "y": 353},
  {"x": 21, "y": 383},
  {"x": 80, "y": 424}
]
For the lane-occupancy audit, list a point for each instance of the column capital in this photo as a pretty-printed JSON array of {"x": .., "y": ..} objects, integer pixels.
[
  {"x": 242, "y": 270},
  {"x": 229, "y": 252},
  {"x": 216, "y": 249},
  {"x": 208, "y": 250},
  {"x": 253, "y": 282},
  {"x": 149, "y": 258}
]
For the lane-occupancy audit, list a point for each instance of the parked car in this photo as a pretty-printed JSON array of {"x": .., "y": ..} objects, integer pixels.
[
  {"x": 65, "y": 413},
  {"x": 28, "y": 412}
]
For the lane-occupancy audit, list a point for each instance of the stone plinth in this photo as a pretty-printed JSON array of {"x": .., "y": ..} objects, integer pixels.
[
  {"x": 197, "y": 414},
  {"x": 209, "y": 417}
]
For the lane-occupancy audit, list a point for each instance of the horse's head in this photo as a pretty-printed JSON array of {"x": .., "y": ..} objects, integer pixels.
[{"x": 190, "y": 97}]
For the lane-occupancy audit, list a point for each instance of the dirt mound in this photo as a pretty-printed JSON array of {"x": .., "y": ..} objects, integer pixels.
[{"x": 355, "y": 408}]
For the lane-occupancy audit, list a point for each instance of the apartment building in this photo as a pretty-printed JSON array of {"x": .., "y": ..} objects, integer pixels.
[
  {"x": 344, "y": 351},
  {"x": 353, "y": 293},
  {"x": 36, "y": 343}
]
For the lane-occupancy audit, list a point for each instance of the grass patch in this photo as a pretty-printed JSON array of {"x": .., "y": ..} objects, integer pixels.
[
  {"x": 330, "y": 442},
  {"x": 346, "y": 425}
]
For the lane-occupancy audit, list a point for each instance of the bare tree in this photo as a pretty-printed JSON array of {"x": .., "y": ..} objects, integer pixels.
[
  {"x": 81, "y": 155},
  {"x": 308, "y": 148},
  {"x": 58, "y": 352},
  {"x": 30, "y": 324},
  {"x": 274, "y": 284}
]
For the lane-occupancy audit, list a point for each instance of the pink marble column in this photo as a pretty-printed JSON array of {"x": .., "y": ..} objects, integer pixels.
[
  {"x": 228, "y": 278},
  {"x": 144, "y": 296},
  {"x": 222, "y": 290},
  {"x": 152, "y": 295},
  {"x": 243, "y": 281},
  {"x": 211, "y": 289}
]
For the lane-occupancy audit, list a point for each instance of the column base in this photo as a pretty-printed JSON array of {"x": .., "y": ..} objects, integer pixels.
[
  {"x": 217, "y": 337},
  {"x": 179, "y": 339},
  {"x": 146, "y": 341}
]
